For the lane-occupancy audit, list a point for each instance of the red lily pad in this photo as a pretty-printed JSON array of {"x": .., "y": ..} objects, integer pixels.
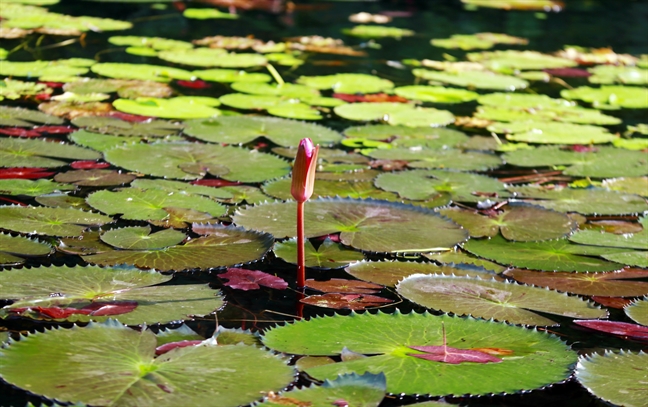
[
  {"x": 612, "y": 302},
  {"x": 244, "y": 279},
  {"x": 371, "y": 98},
  {"x": 25, "y": 173},
  {"x": 340, "y": 285},
  {"x": 127, "y": 116},
  {"x": 88, "y": 165},
  {"x": 447, "y": 354},
  {"x": 630, "y": 331},
  {"x": 568, "y": 72},
  {"x": 215, "y": 183},
  {"x": 195, "y": 84},
  {"x": 19, "y": 132},
  {"x": 353, "y": 302},
  {"x": 98, "y": 308},
  {"x": 55, "y": 129},
  {"x": 162, "y": 349}
]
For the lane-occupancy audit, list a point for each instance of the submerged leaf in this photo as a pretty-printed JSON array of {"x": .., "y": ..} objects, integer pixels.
[{"x": 243, "y": 279}]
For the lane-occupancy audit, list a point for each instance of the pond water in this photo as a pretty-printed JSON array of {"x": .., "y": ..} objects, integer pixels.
[{"x": 574, "y": 173}]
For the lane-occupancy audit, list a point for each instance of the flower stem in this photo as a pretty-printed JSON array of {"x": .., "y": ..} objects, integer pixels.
[{"x": 301, "y": 257}]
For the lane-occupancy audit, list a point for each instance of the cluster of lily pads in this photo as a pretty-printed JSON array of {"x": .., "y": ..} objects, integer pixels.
[{"x": 525, "y": 215}]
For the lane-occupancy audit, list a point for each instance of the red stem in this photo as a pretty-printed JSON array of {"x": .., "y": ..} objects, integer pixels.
[{"x": 301, "y": 257}]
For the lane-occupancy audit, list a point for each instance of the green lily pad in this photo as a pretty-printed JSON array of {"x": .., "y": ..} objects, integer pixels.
[
  {"x": 421, "y": 184},
  {"x": 140, "y": 71},
  {"x": 553, "y": 255},
  {"x": 298, "y": 111},
  {"x": 226, "y": 246},
  {"x": 477, "y": 41},
  {"x": 15, "y": 116},
  {"x": 627, "y": 240},
  {"x": 114, "y": 126},
  {"x": 231, "y": 75},
  {"x": 174, "y": 108},
  {"x": 245, "y": 129},
  {"x": 629, "y": 185},
  {"x": 435, "y": 94},
  {"x": 149, "y": 204},
  {"x": 609, "y": 74},
  {"x": 362, "y": 223},
  {"x": 63, "y": 200},
  {"x": 583, "y": 201},
  {"x": 569, "y": 114},
  {"x": 125, "y": 370},
  {"x": 31, "y": 188},
  {"x": 38, "y": 69},
  {"x": 171, "y": 160},
  {"x": 212, "y": 57},
  {"x": 638, "y": 311},
  {"x": 395, "y": 113},
  {"x": 94, "y": 178},
  {"x": 329, "y": 255},
  {"x": 37, "y": 153},
  {"x": 536, "y": 359},
  {"x": 617, "y": 378},
  {"x": 377, "y": 31},
  {"x": 613, "y": 284},
  {"x": 13, "y": 249},
  {"x": 347, "y": 83},
  {"x": 502, "y": 301},
  {"x": 128, "y": 89},
  {"x": 389, "y": 273},
  {"x": 440, "y": 158},
  {"x": 509, "y": 60},
  {"x": 151, "y": 42},
  {"x": 141, "y": 238},
  {"x": 182, "y": 188},
  {"x": 458, "y": 257},
  {"x": 207, "y": 13},
  {"x": 553, "y": 133},
  {"x": 431, "y": 137},
  {"x": 103, "y": 142},
  {"x": 287, "y": 89},
  {"x": 517, "y": 222},
  {"x": 628, "y": 97},
  {"x": 351, "y": 189},
  {"x": 81, "y": 286},
  {"x": 474, "y": 79},
  {"x": 49, "y": 221},
  {"x": 14, "y": 89},
  {"x": 629, "y": 258}
]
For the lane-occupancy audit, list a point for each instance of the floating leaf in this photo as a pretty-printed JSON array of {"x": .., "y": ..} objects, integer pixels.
[
  {"x": 612, "y": 284},
  {"x": 182, "y": 107},
  {"x": 474, "y": 79},
  {"x": 553, "y": 133},
  {"x": 31, "y": 188},
  {"x": 181, "y": 188},
  {"x": 395, "y": 113},
  {"x": 376, "y": 31},
  {"x": 457, "y": 257},
  {"x": 609, "y": 74},
  {"x": 624, "y": 329},
  {"x": 638, "y": 311},
  {"x": 629, "y": 185},
  {"x": 555, "y": 255},
  {"x": 347, "y": 83},
  {"x": 151, "y": 42},
  {"x": 443, "y": 158},
  {"x": 353, "y": 189},
  {"x": 207, "y": 13},
  {"x": 141, "y": 238},
  {"x": 329, "y": 255},
  {"x": 208, "y": 57},
  {"x": 149, "y": 204},
  {"x": 129, "y": 89},
  {"x": 431, "y": 137},
  {"x": 501, "y": 301},
  {"x": 49, "y": 221},
  {"x": 121, "y": 363},
  {"x": 597, "y": 238},
  {"x": 223, "y": 247},
  {"x": 243, "y": 279},
  {"x": 37, "y": 153},
  {"x": 140, "y": 71},
  {"x": 517, "y": 222},
  {"x": 340, "y": 285},
  {"x": 362, "y": 224},
  {"x": 231, "y": 75},
  {"x": 509, "y": 60},
  {"x": 112, "y": 125},
  {"x": 94, "y": 178},
  {"x": 435, "y": 94},
  {"x": 15, "y": 116},
  {"x": 613, "y": 96},
  {"x": 537, "y": 359},
  {"x": 617, "y": 378},
  {"x": 346, "y": 301},
  {"x": 14, "y": 248}
]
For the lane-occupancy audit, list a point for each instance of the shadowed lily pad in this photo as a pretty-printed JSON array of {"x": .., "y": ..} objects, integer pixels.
[
  {"x": 329, "y": 255},
  {"x": 31, "y": 188},
  {"x": 431, "y": 137},
  {"x": 638, "y": 311},
  {"x": 15, "y": 116},
  {"x": 351, "y": 189},
  {"x": 13, "y": 249},
  {"x": 353, "y": 302},
  {"x": 440, "y": 158},
  {"x": 49, "y": 221},
  {"x": 114, "y": 126},
  {"x": 141, "y": 238},
  {"x": 182, "y": 188},
  {"x": 94, "y": 178}
]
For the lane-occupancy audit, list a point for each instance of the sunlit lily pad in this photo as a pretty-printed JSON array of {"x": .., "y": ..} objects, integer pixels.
[
  {"x": 212, "y": 57},
  {"x": 474, "y": 79},
  {"x": 114, "y": 126},
  {"x": 627, "y": 240},
  {"x": 506, "y": 61},
  {"x": 442, "y": 158},
  {"x": 613, "y": 284},
  {"x": 151, "y": 42},
  {"x": 628, "y": 97},
  {"x": 536, "y": 359},
  {"x": 72, "y": 110},
  {"x": 149, "y": 204},
  {"x": 516, "y": 222},
  {"x": 141, "y": 238},
  {"x": 15, "y": 89},
  {"x": 125, "y": 88},
  {"x": 14, "y": 249},
  {"x": 362, "y": 223},
  {"x": 629, "y": 185},
  {"x": 329, "y": 255},
  {"x": 476, "y": 41},
  {"x": 567, "y": 113},
  {"x": 31, "y": 188},
  {"x": 207, "y": 13},
  {"x": 609, "y": 74},
  {"x": 617, "y": 378},
  {"x": 351, "y": 189},
  {"x": 37, "y": 69},
  {"x": 49, "y": 221},
  {"x": 459, "y": 257},
  {"x": 638, "y": 311},
  {"x": 347, "y": 83},
  {"x": 435, "y": 94},
  {"x": 395, "y": 113},
  {"x": 182, "y": 188},
  {"x": 171, "y": 159},
  {"x": 15, "y": 116},
  {"x": 225, "y": 246},
  {"x": 553, "y": 133},
  {"x": 120, "y": 362},
  {"x": 231, "y": 75},
  {"x": 486, "y": 299},
  {"x": 431, "y": 137},
  {"x": 553, "y": 255},
  {"x": 377, "y": 31},
  {"x": 140, "y": 71},
  {"x": 174, "y": 108},
  {"x": 286, "y": 89},
  {"x": 244, "y": 129}
]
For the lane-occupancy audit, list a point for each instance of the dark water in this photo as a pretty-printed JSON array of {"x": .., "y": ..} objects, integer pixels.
[{"x": 620, "y": 24}]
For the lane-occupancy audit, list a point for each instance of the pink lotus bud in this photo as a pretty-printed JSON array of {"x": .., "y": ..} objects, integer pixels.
[{"x": 303, "y": 174}]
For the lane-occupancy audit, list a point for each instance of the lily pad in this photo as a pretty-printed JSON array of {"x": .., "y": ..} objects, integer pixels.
[
  {"x": 537, "y": 359},
  {"x": 352, "y": 189},
  {"x": 517, "y": 222},
  {"x": 628, "y": 97},
  {"x": 38, "y": 69},
  {"x": 568, "y": 114},
  {"x": 37, "y": 153},
  {"x": 474, "y": 79},
  {"x": 31, "y": 188},
  {"x": 125, "y": 88},
  {"x": 208, "y": 57},
  {"x": 553, "y": 133},
  {"x": 506, "y": 61},
  {"x": 329, "y": 255},
  {"x": 347, "y": 83},
  {"x": 149, "y": 204},
  {"x": 477, "y": 41},
  {"x": 150, "y": 42},
  {"x": 49, "y": 221},
  {"x": 554, "y": 255},
  {"x": 362, "y": 223},
  {"x": 377, "y": 31},
  {"x": 141, "y": 238},
  {"x": 244, "y": 129},
  {"x": 140, "y": 71},
  {"x": 13, "y": 249},
  {"x": 94, "y": 178},
  {"x": 15, "y": 89},
  {"x": 117, "y": 127},
  {"x": 354, "y": 302},
  {"x": 440, "y": 158},
  {"x": 171, "y": 160},
  {"x": 435, "y": 94},
  {"x": 122, "y": 362},
  {"x": 609, "y": 74},
  {"x": 231, "y": 75},
  {"x": 431, "y": 137},
  {"x": 638, "y": 311},
  {"x": 395, "y": 113},
  {"x": 15, "y": 116},
  {"x": 502, "y": 301},
  {"x": 182, "y": 188},
  {"x": 458, "y": 258},
  {"x": 79, "y": 287},
  {"x": 183, "y": 107},
  {"x": 627, "y": 240},
  {"x": 617, "y": 378}
]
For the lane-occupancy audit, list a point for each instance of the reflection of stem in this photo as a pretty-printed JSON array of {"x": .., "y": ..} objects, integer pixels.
[
  {"x": 275, "y": 74},
  {"x": 301, "y": 257}
]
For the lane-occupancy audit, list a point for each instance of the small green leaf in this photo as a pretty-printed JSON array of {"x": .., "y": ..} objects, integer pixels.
[{"x": 329, "y": 255}]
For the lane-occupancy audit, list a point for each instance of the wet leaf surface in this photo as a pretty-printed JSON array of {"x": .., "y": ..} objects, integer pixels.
[{"x": 243, "y": 279}]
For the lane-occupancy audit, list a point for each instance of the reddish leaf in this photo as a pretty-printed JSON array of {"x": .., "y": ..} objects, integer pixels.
[
  {"x": 42, "y": 96},
  {"x": 631, "y": 331},
  {"x": 195, "y": 84},
  {"x": 55, "y": 129},
  {"x": 89, "y": 164},
  {"x": 243, "y": 279},
  {"x": 345, "y": 301},
  {"x": 25, "y": 173},
  {"x": 172, "y": 345},
  {"x": 389, "y": 165},
  {"x": 341, "y": 403},
  {"x": 494, "y": 351},
  {"x": 568, "y": 72},
  {"x": 215, "y": 183},
  {"x": 104, "y": 308},
  {"x": 127, "y": 116},
  {"x": 19, "y": 132},
  {"x": 53, "y": 84},
  {"x": 582, "y": 149},
  {"x": 339, "y": 285},
  {"x": 371, "y": 98},
  {"x": 452, "y": 355},
  {"x": 612, "y": 302},
  {"x": 335, "y": 237}
]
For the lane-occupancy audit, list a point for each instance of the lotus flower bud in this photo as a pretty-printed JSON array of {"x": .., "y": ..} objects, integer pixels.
[{"x": 303, "y": 174}]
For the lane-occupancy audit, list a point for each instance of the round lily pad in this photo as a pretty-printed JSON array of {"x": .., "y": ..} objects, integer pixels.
[
  {"x": 141, "y": 238},
  {"x": 629, "y": 185},
  {"x": 182, "y": 188},
  {"x": 531, "y": 359},
  {"x": 637, "y": 240},
  {"x": 328, "y": 255},
  {"x": 121, "y": 363},
  {"x": 628, "y": 97},
  {"x": 395, "y": 113},
  {"x": 94, "y": 178},
  {"x": 49, "y": 221},
  {"x": 362, "y": 223},
  {"x": 502, "y": 301},
  {"x": 111, "y": 125},
  {"x": 553, "y": 133},
  {"x": 31, "y": 188},
  {"x": 174, "y": 108},
  {"x": 151, "y": 42},
  {"x": 14, "y": 249},
  {"x": 244, "y": 129},
  {"x": 189, "y": 160},
  {"x": 377, "y": 31},
  {"x": 36, "y": 153},
  {"x": 474, "y": 79},
  {"x": 347, "y": 83},
  {"x": 208, "y": 57},
  {"x": 522, "y": 60},
  {"x": 431, "y": 137},
  {"x": 140, "y": 71},
  {"x": 435, "y": 94},
  {"x": 231, "y": 75}
]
